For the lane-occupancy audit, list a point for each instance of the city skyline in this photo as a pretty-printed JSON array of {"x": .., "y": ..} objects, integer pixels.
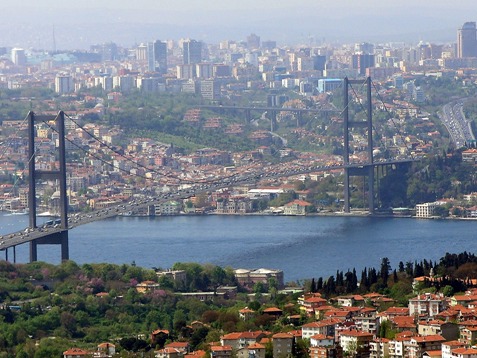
[{"x": 78, "y": 25}]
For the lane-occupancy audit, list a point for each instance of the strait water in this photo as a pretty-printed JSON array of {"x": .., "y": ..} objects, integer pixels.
[{"x": 303, "y": 247}]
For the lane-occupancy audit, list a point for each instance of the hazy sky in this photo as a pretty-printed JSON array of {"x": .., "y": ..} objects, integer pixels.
[{"x": 80, "y": 23}]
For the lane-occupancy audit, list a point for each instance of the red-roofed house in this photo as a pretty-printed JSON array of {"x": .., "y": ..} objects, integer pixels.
[
  {"x": 419, "y": 344},
  {"x": 326, "y": 327},
  {"x": 183, "y": 347},
  {"x": 220, "y": 351},
  {"x": 196, "y": 354},
  {"x": 432, "y": 354},
  {"x": 356, "y": 343},
  {"x": 256, "y": 350},
  {"x": 239, "y": 340},
  {"x": 246, "y": 314},
  {"x": 447, "y": 348},
  {"x": 427, "y": 305},
  {"x": 282, "y": 344},
  {"x": 448, "y": 330},
  {"x": 76, "y": 353},
  {"x": 320, "y": 340},
  {"x": 311, "y": 303},
  {"x": 168, "y": 353},
  {"x": 464, "y": 353},
  {"x": 404, "y": 323},
  {"x": 107, "y": 348},
  {"x": 296, "y": 207},
  {"x": 379, "y": 347}
]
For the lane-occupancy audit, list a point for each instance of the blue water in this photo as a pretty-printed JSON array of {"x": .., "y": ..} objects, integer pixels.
[{"x": 303, "y": 247}]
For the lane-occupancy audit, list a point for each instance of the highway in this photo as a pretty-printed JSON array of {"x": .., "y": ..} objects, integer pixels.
[
  {"x": 76, "y": 219},
  {"x": 457, "y": 125}
]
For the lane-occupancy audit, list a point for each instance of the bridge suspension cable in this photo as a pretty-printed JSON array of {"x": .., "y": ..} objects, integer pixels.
[
  {"x": 392, "y": 120},
  {"x": 94, "y": 155},
  {"x": 92, "y": 135},
  {"x": 111, "y": 148}
]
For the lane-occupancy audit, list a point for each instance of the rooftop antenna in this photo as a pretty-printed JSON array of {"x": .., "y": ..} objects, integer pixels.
[{"x": 54, "y": 40}]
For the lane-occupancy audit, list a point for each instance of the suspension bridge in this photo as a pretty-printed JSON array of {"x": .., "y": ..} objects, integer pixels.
[{"x": 57, "y": 234}]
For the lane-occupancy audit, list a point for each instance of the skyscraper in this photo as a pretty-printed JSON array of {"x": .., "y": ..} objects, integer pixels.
[
  {"x": 19, "y": 57},
  {"x": 192, "y": 52},
  {"x": 253, "y": 42},
  {"x": 160, "y": 56},
  {"x": 64, "y": 84},
  {"x": 467, "y": 40}
]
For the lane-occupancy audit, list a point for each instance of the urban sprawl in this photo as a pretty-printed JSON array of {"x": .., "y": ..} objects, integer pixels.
[{"x": 110, "y": 166}]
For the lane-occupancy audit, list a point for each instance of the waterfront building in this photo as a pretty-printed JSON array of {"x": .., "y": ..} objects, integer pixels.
[
  {"x": 296, "y": 207},
  {"x": 425, "y": 210}
]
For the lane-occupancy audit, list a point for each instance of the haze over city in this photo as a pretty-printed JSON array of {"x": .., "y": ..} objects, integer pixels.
[{"x": 77, "y": 25}]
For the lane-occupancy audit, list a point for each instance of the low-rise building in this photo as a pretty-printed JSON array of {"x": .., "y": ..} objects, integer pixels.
[{"x": 425, "y": 210}]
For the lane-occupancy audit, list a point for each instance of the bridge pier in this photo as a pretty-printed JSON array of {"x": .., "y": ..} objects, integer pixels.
[
  {"x": 33, "y": 251},
  {"x": 57, "y": 238},
  {"x": 248, "y": 116}
]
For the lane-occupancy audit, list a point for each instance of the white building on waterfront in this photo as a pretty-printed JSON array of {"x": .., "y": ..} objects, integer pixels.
[{"x": 425, "y": 210}]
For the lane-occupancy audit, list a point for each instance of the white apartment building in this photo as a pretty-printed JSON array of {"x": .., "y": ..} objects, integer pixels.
[{"x": 425, "y": 210}]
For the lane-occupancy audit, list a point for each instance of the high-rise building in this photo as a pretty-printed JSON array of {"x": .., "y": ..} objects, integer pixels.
[
  {"x": 141, "y": 52},
  {"x": 361, "y": 62},
  {"x": 192, "y": 52},
  {"x": 63, "y": 84},
  {"x": 467, "y": 40},
  {"x": 18, "y": 56},
  {"x": 160, "y": 56},
  {"x": 253, "y": 42}
]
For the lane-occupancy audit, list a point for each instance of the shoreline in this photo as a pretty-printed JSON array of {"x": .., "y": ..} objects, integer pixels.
[{"x": 327, "y": 214}]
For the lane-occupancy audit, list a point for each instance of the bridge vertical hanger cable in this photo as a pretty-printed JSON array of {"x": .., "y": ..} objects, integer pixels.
[
  {"x": 17, "y": 179},
  {"x": 392, "y": 120},
  {"x": 98, "y": 157},
  {"x": 92, "y": 135},
  {"x": 364, "y": 109}
]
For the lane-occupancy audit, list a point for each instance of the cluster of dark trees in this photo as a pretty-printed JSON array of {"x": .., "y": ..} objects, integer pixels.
[{"x": 454, "y": 271}]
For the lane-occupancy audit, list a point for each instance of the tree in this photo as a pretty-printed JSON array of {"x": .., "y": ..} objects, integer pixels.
[{"x": 385, "y": 268}]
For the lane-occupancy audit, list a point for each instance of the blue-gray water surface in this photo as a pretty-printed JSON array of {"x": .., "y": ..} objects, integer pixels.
[{"x": 303, "y": 247}]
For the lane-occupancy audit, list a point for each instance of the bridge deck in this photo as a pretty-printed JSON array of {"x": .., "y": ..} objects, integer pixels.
[{"x": 30, "y": 234}]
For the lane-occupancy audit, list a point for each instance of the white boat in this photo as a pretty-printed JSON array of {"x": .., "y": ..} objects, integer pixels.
[{"x": 46, "y": 213}]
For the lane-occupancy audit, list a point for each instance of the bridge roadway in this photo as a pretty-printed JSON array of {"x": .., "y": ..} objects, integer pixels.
[
  {"x": 266, "y": 109},
  {"x": 30, "y": 234}
]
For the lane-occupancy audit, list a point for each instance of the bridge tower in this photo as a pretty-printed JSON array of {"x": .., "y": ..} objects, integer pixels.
[
  {"x": 365, "y": 170},
  {"x": 59, "y": 237}
]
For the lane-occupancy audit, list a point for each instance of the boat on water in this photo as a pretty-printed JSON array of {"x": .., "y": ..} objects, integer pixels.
[
  {"x": 46, "y": 214},
  {"x": 15, "y": 212}
]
